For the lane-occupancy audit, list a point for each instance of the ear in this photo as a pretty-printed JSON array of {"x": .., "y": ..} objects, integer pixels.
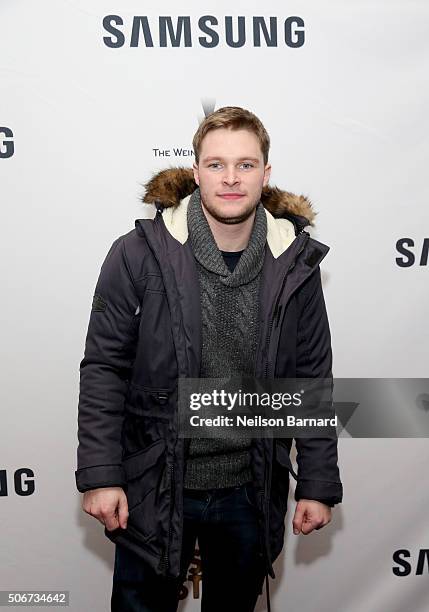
[
  {"x": 267, "y": 174},
  {"x": 196, "y": 174}
]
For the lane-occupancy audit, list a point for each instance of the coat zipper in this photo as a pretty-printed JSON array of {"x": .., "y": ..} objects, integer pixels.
[
  {"x": 164, "y": 564},
  {"x": 164, "y": 561}
]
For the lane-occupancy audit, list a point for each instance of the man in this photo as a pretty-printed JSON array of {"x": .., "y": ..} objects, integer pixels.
[{"x": 223, "y": 281}]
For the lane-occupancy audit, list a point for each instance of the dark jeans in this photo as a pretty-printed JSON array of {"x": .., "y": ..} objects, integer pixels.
[{"x": 226, "y": 524}]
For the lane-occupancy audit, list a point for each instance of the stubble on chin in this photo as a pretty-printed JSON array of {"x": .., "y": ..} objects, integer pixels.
[{"x": 229, "y": 220}]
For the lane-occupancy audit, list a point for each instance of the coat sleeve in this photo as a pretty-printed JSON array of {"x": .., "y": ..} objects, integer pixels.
[
  {"x": 317, "y": 458},
  {"x": 104, "y": 372}
]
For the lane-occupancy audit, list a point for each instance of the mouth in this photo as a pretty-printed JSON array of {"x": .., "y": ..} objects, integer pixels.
[{"x": 231, "y": 196}]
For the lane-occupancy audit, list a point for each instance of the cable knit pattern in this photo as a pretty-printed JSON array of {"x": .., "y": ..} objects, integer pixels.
[{"x": 230, "y": 327}]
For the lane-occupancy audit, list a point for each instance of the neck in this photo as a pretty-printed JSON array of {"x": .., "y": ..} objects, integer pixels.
[{"x": 230, "y": 237}]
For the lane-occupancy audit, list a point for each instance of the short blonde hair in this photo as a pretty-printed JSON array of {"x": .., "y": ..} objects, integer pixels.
[{"x": 234, "y": 118}]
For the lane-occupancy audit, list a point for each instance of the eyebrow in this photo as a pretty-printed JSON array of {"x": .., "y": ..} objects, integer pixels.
[{"x": 206, "y": 159}]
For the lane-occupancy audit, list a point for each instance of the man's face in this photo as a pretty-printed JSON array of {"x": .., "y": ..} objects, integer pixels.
[{"x": 231, "y": 162}]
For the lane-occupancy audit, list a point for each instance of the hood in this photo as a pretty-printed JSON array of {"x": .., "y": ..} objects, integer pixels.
[
  {"x": 172, "y": 185},
  {"x": 171, "y": 189}
]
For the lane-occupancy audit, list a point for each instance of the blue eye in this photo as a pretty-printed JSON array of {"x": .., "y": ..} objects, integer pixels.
[{"x": 248, "y": 164}]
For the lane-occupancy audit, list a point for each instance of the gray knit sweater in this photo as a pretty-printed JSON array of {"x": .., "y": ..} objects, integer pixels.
[{"x": 230, "y": 328}]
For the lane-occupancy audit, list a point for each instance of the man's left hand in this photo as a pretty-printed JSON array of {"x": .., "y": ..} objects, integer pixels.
[{"x": 310, "y": 514}]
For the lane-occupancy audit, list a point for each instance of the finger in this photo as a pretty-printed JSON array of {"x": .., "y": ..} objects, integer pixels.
[
  {"x": 110, "y": 521},
  {"x": 307, "y": 527},
  {"x": 297, "y": 520},
  {"x": 316, "y": 524},
  {"x": 123, "y": 512}
]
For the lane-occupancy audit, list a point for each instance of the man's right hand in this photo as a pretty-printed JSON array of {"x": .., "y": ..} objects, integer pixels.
[{"x": 109, "y": 505}]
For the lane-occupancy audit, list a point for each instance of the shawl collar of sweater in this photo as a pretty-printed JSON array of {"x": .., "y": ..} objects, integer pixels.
[{"x": 208, "y": 254}]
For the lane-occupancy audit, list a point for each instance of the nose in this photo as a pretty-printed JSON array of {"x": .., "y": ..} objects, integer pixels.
[{"x": 230, "y": 177}]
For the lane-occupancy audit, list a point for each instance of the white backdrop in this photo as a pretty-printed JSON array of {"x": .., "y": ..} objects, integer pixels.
[{"x": 79, "y": 124}]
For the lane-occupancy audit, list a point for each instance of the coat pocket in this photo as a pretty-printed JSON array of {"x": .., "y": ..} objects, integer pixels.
[
  {"x": 157, "y": 403},
  {"x": 144, "y": 471}
]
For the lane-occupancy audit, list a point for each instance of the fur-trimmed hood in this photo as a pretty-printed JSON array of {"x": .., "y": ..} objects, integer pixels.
[
  {"x": 172, "y": 185},
  {"x": 287, "y": 214}
]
